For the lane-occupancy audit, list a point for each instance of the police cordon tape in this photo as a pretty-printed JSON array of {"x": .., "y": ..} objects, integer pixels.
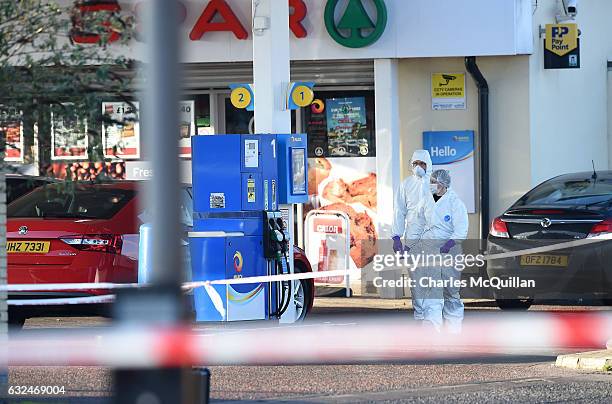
[
  {"x": 62, "y": 301},
  {"x": 279, "y": 278},
  {"x": 382, "y": 340}
]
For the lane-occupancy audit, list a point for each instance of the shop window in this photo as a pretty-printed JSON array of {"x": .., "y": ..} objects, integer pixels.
[
  {"x": 342, "y": 166},
  {"x": 341, "y": 124},
  {"x": 241, "y": 121},
  {"x": 238, "y": 121},
  {"x": 202, "y": 114}
]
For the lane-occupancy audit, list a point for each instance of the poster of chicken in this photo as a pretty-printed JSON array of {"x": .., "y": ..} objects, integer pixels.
[
  {"x": 121, "y": 130},
  {"x": 69, "y": 138},
  {"x": 348, "y": 185}
]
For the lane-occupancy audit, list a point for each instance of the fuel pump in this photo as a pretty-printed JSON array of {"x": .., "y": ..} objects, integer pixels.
[
  {"x": 240, "y": 183},
  {"x": 276, "y": 250}
]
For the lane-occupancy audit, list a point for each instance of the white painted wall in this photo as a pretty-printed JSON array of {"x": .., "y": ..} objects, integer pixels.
[
  {"x": 508, "y": 79},
  {"x": 387, "y": 115},
  {"x": 568, "y": 108},
  {"x": 386, "y": 79}
]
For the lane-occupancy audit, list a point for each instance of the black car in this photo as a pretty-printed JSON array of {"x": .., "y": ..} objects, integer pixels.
[
  {"x": 18, "y": 185},
  {"x": 570, "y": 209}
]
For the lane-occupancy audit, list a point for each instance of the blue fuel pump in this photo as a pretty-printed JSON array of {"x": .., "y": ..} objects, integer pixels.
[{"x": 239, "y": 184}]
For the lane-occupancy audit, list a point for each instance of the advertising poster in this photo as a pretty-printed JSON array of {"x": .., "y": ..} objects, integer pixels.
[
  {"x": 454, "y": 151},
  {"x": 328, "y": 244},
  {"x": 448, "y": 91},
  {"x": 348, "y": 185},
  {"x": 347, "y": 134},
  {"x": 317, "y": 129},
  {"x": 69, "y": 140},
  {"x": 186, "y": 127},
  {"x": 12, "y": 125},
  {"x": 121, "y": 130}
]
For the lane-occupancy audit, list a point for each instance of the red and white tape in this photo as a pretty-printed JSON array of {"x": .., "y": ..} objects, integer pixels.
[
  {"x": 47, "y": 287},
  {"x": 101, "y": 299},
  {"x": 382, "y": 340}
]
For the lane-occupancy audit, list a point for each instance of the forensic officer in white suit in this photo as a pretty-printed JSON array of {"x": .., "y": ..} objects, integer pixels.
[
  {"x": 440, "y": 227},
  {"x": 409, "y": 197}
]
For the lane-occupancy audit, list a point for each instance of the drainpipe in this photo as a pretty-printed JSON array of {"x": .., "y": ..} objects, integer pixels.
[{"x": 483, "y": 135}]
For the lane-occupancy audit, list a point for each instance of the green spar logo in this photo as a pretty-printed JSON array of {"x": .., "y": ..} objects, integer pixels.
[{"x": 355, "y": 21}]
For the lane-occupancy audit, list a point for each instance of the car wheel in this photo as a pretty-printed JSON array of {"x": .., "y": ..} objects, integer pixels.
[
  {"x": 514, "y": 304},
  {"x": 303, "y": 295}
]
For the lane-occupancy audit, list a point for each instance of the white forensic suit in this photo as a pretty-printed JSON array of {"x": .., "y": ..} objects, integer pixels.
[
  {"x": 409, "y": 196},
  {"x": 437, "y": 223}
]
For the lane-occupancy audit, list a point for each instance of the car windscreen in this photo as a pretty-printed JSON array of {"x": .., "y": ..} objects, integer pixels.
[
  {"x": 67, "y": 200},
  {"x": 16, "y": 187},
  {"x": 572, "y": 193}
]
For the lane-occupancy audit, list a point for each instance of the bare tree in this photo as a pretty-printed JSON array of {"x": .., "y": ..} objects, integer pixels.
[{"x": 61, "y": 56}]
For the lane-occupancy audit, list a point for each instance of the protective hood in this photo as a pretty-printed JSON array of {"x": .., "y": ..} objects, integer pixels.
[{"x": 422, "y": 155}]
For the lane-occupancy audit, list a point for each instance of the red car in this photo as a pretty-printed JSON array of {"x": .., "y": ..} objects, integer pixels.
[{"x": 84, "y": 233}]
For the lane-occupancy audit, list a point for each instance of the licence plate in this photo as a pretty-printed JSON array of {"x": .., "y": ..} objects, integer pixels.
[
  {"x": 544, "y": 260},
  {"x": 32, "y": 247}
]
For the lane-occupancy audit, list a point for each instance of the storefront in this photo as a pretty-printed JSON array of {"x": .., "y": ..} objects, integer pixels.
[{"x": 378, "y": 93}]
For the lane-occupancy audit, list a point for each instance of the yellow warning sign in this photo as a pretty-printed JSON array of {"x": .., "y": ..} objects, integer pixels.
[
  {"x": 448, "y": 91},
  {"x": 561, "y": 39},
  {"x": 251, "y": 191}
]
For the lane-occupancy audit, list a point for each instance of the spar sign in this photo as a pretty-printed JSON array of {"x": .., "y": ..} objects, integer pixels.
[
  {"x": 350, "y": 23},
  {"x": 561, "y": 47},
  {"x": 214, "y": 16}
]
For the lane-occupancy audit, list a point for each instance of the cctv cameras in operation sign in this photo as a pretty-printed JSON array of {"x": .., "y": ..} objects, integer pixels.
[{"x": 561, "y": 47}]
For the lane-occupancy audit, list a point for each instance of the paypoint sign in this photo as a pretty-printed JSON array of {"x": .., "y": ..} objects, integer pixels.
[{"x": 561, "y": 47}]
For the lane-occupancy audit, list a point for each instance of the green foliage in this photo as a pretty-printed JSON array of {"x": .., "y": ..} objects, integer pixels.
[{"x": 40, "y": 65}]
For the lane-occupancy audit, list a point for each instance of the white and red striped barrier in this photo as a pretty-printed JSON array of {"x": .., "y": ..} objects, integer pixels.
[
  {"x": 101, "y": 299},
  {"x": 384, "y": 340},
  {"x": 47, "y": 287}
]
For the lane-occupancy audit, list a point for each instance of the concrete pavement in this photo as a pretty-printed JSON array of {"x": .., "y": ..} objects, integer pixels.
[{"x": 593, "y": 360}]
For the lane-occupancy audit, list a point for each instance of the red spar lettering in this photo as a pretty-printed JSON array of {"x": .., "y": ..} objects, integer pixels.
[
  {"x": 78, "y": 33},
  {"x": 230, "y": 21}
]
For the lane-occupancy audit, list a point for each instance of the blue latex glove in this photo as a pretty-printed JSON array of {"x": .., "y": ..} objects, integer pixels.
[
  {"x": 447, "y": 246},
  {"x": 397, "y": 244}
]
